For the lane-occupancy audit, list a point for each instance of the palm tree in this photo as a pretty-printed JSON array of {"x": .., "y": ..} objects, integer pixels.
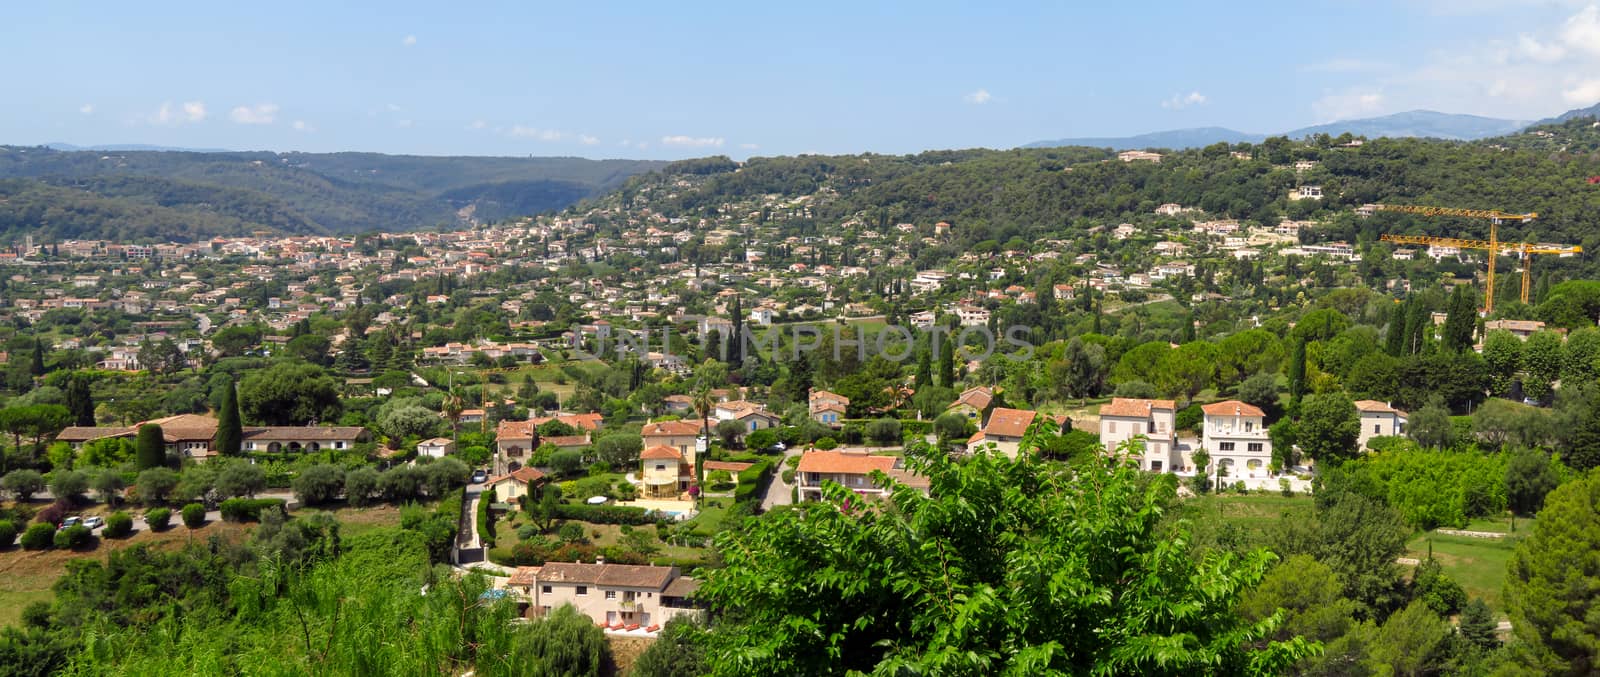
[{"x": 703, "y": 402}]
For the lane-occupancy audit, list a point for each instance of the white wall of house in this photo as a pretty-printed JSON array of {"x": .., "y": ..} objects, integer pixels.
[
  {"x": 1160, "y": 441},
  {"x": 1380, "y": 424},
  {"x": 1238, "y": 443}
]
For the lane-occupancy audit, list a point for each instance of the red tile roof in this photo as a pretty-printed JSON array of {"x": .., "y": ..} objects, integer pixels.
[
  {"x": 978, "y": 398},
  {"x": 1126, "y": 406},
  {"x": 671, "y": 429},
  {"x": 1009, "y": 422},
  {"x": 1232, "y": 408},
  {"x": 615, "y": 575},
  {"x": 729, "y": 466},
  {"x": 661, "y": 452},
  {"x": 840, "y": 462},
  {"x": 1376, "y": 407}
]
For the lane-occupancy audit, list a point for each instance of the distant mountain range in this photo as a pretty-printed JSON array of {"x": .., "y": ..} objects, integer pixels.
[
  {"x": 113, "y": 147},
  {"x": 191, "y": 195},
  {"x": 1422, "y": 123}
]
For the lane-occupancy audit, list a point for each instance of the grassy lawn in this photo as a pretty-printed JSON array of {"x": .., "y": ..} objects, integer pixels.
[
  {"x": 1254, "y": 511},
  {"x": 357, "y": 521},
  {"x": 26, "y": 576},
  {"x": 599, "y": 534},
  {"x": 1478, "y": 564}
]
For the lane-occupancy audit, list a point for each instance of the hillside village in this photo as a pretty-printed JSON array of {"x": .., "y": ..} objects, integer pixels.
[{"x": 592, "y": 403}]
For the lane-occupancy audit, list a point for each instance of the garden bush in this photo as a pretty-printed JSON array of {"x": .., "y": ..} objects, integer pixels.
[
  {"x": 8, "y": 533},
  {"x": 118, "y": 525},
  {"x": 73, "y": 537},
  {"x": 158, "y": 519},
  {"x": 604, "y": 514},
  {"x": 194, "y": 515},
  {"x": 39, "y": 536}
]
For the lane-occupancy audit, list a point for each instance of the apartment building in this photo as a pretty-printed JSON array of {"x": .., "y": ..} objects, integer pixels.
[{"x": 851, "y": 469}]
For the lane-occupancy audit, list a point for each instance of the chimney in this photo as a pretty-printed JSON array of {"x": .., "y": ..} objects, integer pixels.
[{"x": 599, "y": 559}]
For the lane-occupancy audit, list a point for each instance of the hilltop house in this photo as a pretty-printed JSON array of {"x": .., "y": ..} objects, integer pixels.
[
  {"x": 1378, "y": 419},
  {"x": 973, "y": 402},
  {"x": 1235, "y": 435},
  {"x": 1152, "y": 422},
  {"x": 828, "y": 408},
  {"x": 851, "y": 469},
  {"x": 1004, "y": 429},
  {"x": 618, "y": 596}
]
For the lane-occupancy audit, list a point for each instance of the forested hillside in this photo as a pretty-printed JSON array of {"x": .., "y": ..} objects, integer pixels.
[
  {"x": 1034, "y": 193},
  {"x": 184, "y": 196}
]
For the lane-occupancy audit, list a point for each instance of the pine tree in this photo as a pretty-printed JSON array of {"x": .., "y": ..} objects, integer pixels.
[
  {"x": 80, "y": 402},
  {"x": 230, "y": 433},
  {"x": 151, "y": 447}
]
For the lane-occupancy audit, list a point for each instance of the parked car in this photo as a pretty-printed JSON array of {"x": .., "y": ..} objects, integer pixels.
[
  {"x": 479, "y": 477},
  {"x": 71, "y": 521},
  {"x": 94, "y": 522}
]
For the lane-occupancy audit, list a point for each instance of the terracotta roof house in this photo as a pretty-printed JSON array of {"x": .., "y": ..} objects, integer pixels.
[
  {"x": 1378, "y": 419},
  {"x": 1235, "y": 435},
  {"x": 620, "y": 597},
  {"x": 515, "y": 484},
  {"x": 973, "y": 402},
  {"x": 1153, "y": 423},
  {"x": 852, "y": 470},
  {"x": 664, "y": 472},
  {"x": 1004, "y": 430}
]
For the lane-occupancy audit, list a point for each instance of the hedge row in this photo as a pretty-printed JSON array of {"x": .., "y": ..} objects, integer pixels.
[
  {"x": 604, "y": 514},
  {"x": 249, "y": 509},
  {"x": 752, "y": 479},
  {"x": 485, "y": 520}
]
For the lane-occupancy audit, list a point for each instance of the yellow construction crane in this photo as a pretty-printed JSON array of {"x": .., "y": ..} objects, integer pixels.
[{"x": 1493, "y": 245}]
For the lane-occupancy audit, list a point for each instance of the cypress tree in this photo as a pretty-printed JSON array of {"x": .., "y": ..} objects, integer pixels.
[
  {"x": 924, "y": 370},
  {"x": 151, "y": 447},
  {"x": 1395, "y": 339},
  {"x": 947, "y": 364},
  {"x": 1297, "y": 371},
  {"x": 736, "y": 336},
  {"x": 79, "y": 401},
  {"x": 36, "y": 367},
  {"x": 230, "y": 432},
  {"x": 1459, "y": 321}
]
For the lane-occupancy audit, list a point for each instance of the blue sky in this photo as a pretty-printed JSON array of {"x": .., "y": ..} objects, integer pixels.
[{"x": 671, "y": 80}]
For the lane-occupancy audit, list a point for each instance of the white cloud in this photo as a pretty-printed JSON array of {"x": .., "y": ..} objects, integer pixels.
[
  {"x": 409, "y": 40},
  {"x": 692, "y": 141},
  {"x": 1347, "y": 104},
  {"x": 86, "y": 109},
  {"x": 1584, "y": 93},
  {"x": 188, "y": 111},
  {"x": 1530, "y": 47},
  {"x": 477, "y": 125},
  {"x": 525, "y": 132},
  {"x": 1582, "y": 31},
  {"x": 749, "y": 146},
  {"x": 979, "y": 97},
  {"x": 302, "y": 126},
  {"x": 259, "y": 114},
  {"x": 587, "y": 140},
  {"x": 402, "y": 124},
  {"x": 1182, "y": 101}
]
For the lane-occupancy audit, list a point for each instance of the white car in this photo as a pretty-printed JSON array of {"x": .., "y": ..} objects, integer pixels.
[
  {"x": 71, "y": 521},
  {"x": 94, "y": 522}
]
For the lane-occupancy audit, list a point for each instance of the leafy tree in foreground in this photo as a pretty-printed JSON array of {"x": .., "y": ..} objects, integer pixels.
[
  {"x": 1551, "y": 580},
  {"x": 1329, "y": 427},
  {"x": 1010, "y": 567}
]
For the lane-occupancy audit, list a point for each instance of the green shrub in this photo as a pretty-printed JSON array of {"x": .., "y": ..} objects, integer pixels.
[
  {"x": 39, "y": 536},
  {"x": 118, "y": 525},
  {"x": 73, "y": 537},
  {"x": 248, "y": 509},
  {"x": 604, "y": 514},
  {"x": 485, "y": 520},
  {"x": 158, "y": 519},
  {"x": 8, "y": 533},
  {"x": 194, "y": 515},
  {"x": 826, "y": 443}
]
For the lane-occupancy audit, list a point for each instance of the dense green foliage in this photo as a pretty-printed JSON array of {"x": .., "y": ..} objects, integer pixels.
[
  {"x": 949, "y": 584},
  {"x": 144, "y": 195},
  {"x": 1553, "y": 576}
]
